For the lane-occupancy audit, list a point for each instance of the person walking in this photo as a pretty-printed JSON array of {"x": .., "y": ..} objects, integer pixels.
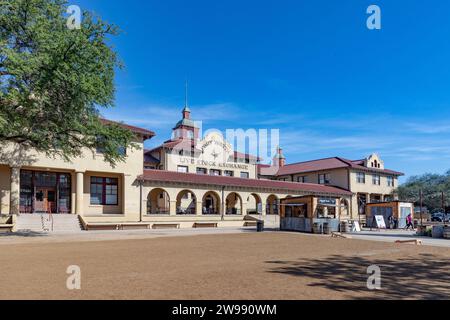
[
  {"x": 391, "y": 222},
  {"x": 409, "y": 222}
]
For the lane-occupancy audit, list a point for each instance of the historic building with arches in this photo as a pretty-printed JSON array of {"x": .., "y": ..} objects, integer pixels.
[{"x": 185, "y": 182}]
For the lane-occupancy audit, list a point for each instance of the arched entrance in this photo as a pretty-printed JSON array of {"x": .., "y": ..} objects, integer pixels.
[
  {"x": 254, "y": 204},
  {"x": 186, "y": 203},
  {"x": 272, "y": 205},
  {"x": 158, "y": 202},
  {"x": 234, "y": 204},
  {"x": 211, "y": 203}
]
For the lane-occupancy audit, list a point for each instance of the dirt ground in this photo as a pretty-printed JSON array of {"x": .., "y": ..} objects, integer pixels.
[{"x": 224, "y": 267}]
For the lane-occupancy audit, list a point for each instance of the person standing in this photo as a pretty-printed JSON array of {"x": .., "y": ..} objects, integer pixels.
[{"x": 409, "y": 222}]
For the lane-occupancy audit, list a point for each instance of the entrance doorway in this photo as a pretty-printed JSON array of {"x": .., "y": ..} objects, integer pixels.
[
  {"x": 45, "y": 192},
  {"x": 45, "y": 200}
]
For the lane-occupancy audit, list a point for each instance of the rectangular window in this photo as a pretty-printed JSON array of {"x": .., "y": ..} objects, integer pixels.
[
  {"x": 244, "y": 175},
  {"x": 361, "y": 177},
  {"x": 390, "y": 181},
  {"x": 301, "y": 179},
  {"x": 100, "y": 149},
  {"x": 228, "y": 173},
  {"x": 122, "y": 151},
  {"x": 104, "y": 191},
  {"x": 202, "y": 171},
  {"x": 376, "y": 179},
  {"x": 324, "y": 178},
  {"x": 183, "y": 169},
  {"x": 215, "y": 172}
]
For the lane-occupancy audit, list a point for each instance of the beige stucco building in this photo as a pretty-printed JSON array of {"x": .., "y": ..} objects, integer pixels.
[
  {"x": 188, "y": 181},
  {"x": 368, "y": 180}
]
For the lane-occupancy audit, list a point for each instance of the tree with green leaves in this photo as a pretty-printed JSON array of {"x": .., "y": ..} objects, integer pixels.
[
  {"x": 432, "y": 186},
  {"x": 55, "y": 79}
]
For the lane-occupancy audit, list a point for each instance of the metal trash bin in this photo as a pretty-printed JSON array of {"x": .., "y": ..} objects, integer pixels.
[
  {"x": 260, "y": 226},
  {"x": 326, "y": 228},
  {"x": 317, "y": 228}
]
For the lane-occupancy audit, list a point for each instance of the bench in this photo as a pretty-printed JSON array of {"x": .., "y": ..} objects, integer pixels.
[
  {"x": 250, "y": 223},
  {"x": 166, "y": 226},
  {"x": 6, "y": 227},
  {"x": 134, "y": 226},
  {"x": 415, "y": 241},
  {"x": 101, "y": 227},
  {"x": 205, "y": 225}
]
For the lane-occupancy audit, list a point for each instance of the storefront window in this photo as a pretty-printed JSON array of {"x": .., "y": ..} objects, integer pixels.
[
  {"x": 45, "y": 191},
  {"x": 104, "y": 191},
  {"x": 64, "y": 193},
  {"x": 26, "y": 192},
  {"x": 323, "y": 212}
]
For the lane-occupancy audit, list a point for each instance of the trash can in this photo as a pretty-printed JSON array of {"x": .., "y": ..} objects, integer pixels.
[
  {"x": 317, "y": 228},
  {"x": 326, "y": 228},
  {"x": 260, "y": 226},
  {"x": 437, "y": 232}
]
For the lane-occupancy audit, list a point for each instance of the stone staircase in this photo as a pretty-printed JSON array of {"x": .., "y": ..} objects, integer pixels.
[{"x": 57, "y": 223}]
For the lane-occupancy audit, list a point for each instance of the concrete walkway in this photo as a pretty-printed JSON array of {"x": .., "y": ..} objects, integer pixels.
[
  {"x": 87, "y": 236},
  {"x": 394, "y": 235}
]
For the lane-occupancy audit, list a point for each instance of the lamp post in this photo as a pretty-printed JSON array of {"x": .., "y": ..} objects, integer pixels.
[{"x": 421, "y": 208}]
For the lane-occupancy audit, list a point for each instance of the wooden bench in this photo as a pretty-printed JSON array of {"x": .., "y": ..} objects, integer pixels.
[
  {"x": 101, "y": 227},
  {"x": 250, "y": 223},
  {"x": 166, "y": 226},
  {"x": 134, "y": 226},
  {"x": 205, "y": 225}
]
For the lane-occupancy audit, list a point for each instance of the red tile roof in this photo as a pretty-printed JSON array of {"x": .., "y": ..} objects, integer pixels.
[
  {"x": 170, "y": 176},
  {"x": 187, "y": 144},
  {"x": 148, "y": 158},
  {"x": 328, "y": 164},
  {"x": 240, "y": 155},
  {"x": 179, "y": 144},
  {"x": 144, "y": 132}
]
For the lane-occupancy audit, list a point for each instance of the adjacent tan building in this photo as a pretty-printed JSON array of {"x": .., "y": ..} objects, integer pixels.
[
  {"x": 367, "y": 179},
  {"x": 187, "y": 181}
]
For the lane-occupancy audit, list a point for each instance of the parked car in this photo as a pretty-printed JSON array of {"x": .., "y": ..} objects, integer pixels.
[{"x": 440, "y": 217}]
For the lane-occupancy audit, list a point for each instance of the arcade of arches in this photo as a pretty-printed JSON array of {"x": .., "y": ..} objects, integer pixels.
[{"x": 203, "y": 202}]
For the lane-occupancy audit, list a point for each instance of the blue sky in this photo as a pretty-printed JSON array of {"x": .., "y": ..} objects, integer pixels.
[{"x": 309, "y": 68}]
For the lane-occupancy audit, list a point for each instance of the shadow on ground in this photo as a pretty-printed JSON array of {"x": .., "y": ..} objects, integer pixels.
[
  {"x": 23, "y": 234},
  {"x": 425, "y": 277}
]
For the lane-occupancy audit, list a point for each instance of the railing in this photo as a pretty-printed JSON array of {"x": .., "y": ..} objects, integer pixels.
[
  {"x": 210, "y": 212},
  {"x": 186, "y": 211},
  {"x": 49, "y": 219},
  {"x": 159, "y": 211},
  {"x": 234, "y": 211}
]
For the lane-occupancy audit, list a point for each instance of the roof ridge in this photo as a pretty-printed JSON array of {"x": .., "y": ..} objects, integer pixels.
[
  {"x": 301, "y": 162},
  {"x": 243, "y": 179},
  {"x": 223, "y": 180}
]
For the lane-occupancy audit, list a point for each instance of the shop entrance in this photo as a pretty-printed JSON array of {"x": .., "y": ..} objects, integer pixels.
[
  {"x": 45, "y": 200},
  {"x": 45, "y": 192}
]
